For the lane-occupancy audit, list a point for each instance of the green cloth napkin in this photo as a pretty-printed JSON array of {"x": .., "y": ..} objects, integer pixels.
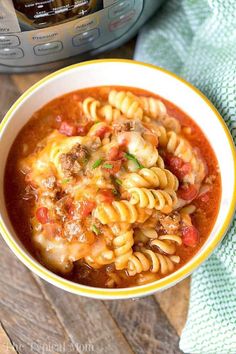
[{"x": 197, "y": 40}]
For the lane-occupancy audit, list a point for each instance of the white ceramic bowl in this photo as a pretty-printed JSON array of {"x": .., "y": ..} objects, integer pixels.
[{"x": 153, "y": 79}]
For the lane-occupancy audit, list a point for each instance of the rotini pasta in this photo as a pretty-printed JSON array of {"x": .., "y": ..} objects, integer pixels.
[
  {"x": 153, "y": 107},
  {"x": 109, "y": 113},
  {"x": 123, "y": 249},
  {"x": 152, "y": 178},
  {"x": 146, "y": 259},
  {"x": 151, "y": 198},
  {"x": 122, "y": 211},
  {"x": 126, "y": 103},
  {"x": 143, "y": 235},
  {"x": 91, "y": 108}
]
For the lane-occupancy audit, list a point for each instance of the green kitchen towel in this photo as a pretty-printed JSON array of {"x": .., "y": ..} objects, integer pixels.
[{"x": 197, "y": 40}]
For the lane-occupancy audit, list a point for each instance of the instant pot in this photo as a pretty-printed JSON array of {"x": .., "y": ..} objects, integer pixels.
[{"x": 47, "y": 34}]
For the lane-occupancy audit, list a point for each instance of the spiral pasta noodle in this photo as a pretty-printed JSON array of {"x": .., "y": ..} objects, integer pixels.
[
  {"x": 122, "y": 211},
  {"x": 91, "y": 107},
  {"x": 146, "y": 259},
  {"x": 163, "y": 200},
  {"x": 181, "y": 148},
  {"x": 143, "y": 235},
  {"x": 166, "y": 243},
  {"x": 152, "y": 178},
  {"x": 109, "y": 113},
  {"x": 123, "y": 249},
  {"x": 106, "y": 257},
  {"x": 126, "y": 103},
  {"x": 153, "y": 107}
]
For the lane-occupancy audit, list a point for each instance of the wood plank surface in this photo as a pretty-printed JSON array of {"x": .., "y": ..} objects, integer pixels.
[
  {"x": 145, "y": 326},
  {"x": 26, "y": 315},
  {"x": 37, "y": 317},
  {"x": 87, "y": 320},
  {"x": 174, "y": 303},
  {"x": 6, "y": 345}
]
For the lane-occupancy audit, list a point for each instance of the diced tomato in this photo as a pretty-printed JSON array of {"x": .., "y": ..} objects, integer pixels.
[
  {"x": 174, "y": 162},
  {"x": 112, "y": 167},
  {"x": 86, "y": 207},
  {"x": 69, "y": 206},
  {"x": 185, "y": 169},
  {"x": 152, "y": 138},
  {"x": 114, "y": 153},
  {"x": 187, "y": 191},
  {"x": 190, "y": 236},
  {"x": 105, "y": 196},
  {"x": 82, "y": 129},
  {"x": 67, "y": 129},
  {"x": 123, "y": 142},
  {"x": 178, "y": 166},
  {"x": 42, "y": 215},
  {"x": 102, "y": 131}
]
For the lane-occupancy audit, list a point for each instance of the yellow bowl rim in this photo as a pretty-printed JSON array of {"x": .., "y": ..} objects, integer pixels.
[{"x": 143, "y": 290}]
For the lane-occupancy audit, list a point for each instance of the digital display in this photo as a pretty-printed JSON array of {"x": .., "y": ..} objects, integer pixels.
[{"x": 36, "y": 14}]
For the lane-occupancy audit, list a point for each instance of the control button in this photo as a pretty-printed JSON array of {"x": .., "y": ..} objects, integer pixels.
[
  {"x": 11, "y": 53},
  {"x": 48, "y": 48},
  {"x": 9, "y": 41},
  {"x": 85, "y": 38},
  {"x": 120, "y": 9},
  {"x": 121, "y": 21},
  {"x": 86, "y": 24}
]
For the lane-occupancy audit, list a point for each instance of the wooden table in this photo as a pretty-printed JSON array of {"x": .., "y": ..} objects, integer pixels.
[{"x": 36, "y": 317}]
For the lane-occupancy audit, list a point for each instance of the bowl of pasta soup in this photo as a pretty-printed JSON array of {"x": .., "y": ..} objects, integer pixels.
[{"x": 113, "y": 181}]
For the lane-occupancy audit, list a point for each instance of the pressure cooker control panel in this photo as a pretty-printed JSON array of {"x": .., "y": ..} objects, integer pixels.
[{"x": 23, "y": 46}]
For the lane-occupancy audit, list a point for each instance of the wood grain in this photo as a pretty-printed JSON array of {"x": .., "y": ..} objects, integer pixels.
[
  {"x": 174, "y": 303},
  {"x": 5, "y": 343},
  {"x": 87, "y": 321},
  {"x": 25, "y": 314},
  {"x": 145, "y": 326}
]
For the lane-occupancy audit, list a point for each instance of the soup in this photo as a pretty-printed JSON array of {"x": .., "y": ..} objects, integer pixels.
[{"x": 112, "y": 187}]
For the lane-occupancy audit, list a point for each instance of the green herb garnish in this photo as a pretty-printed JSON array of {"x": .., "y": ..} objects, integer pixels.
[
  {"x": 118, "y": 181},
  {"x": 134, "y": 159},
  {"x": 95, "y": 229},
  {"x": 97, "y": 163},
  {"x": 108, "y": 166},
  {"x": 66, "y": 180}
]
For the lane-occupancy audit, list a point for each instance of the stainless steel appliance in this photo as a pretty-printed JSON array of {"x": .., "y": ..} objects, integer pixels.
[{"x": 47, "y": 34}]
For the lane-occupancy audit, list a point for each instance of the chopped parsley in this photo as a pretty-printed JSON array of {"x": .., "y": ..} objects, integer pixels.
[
  {"x": 95, "y": 229},
  {"x": 118, "y": 181},
  {"x": 134, "y": 159},
  {"x": 109, "y": 166},
  {"x": 97, "y": 163},
  {"x": 66, "y": 180}
]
